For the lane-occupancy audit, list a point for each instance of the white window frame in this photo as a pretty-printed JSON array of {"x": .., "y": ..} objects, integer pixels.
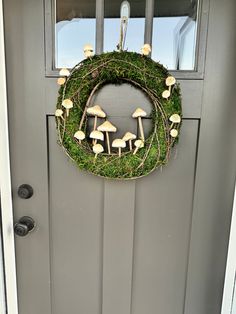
[
  {"x": 229, "y": 295},
  {"x": 8, "y": 290}
]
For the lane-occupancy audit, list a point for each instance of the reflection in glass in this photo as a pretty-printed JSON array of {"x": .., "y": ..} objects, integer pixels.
[
  {"x": 174, "y": 34},
  {"x": 75, "y": 27},
  {"x": 174, "y": 30},
  {"x": 135, "y": 31}
]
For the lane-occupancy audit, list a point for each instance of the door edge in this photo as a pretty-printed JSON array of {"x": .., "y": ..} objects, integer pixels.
[
  {"x": 8, "y": 297},
  {"x": 229, "y": 294}
]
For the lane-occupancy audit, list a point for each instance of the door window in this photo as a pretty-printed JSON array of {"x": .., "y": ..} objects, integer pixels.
[
  {"x": 172, "y": 25},
  {"x": 174, "y": 34},
  {"x": 75, "y": 26}
]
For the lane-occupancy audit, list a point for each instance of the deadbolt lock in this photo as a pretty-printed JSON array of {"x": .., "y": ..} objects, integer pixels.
[{"x": 25, "y": 191}]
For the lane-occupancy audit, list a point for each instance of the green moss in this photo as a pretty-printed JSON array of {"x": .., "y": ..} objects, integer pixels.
[{"x": 117, "y": 68}]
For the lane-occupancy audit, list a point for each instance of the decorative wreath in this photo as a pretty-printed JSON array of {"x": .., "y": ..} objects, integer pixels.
[{"x": 132, "y": 156}]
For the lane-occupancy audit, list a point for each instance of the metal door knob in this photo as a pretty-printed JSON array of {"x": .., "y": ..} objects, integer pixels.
[
  {"x": 25, "y": 191},
  {"x": 24, "y": 226}
]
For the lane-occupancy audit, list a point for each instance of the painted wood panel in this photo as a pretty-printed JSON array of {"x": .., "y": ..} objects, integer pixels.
[
  {"x": 163, "y": 217},
  {"x": 111, "y": 249},
  {"x": 119, "y": 207},
  {"x": 76, "y": 233},
  {"x": 191, "y": 97}
]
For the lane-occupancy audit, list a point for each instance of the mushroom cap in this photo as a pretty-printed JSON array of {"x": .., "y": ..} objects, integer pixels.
[
  {"x": 58, "y": 113},
  {"x": 170, "y": 80},
  {"x": 107, "y": 127},
  {"x": 175, "y": 118},
  {"x": 166, "y": 93},
  {"x": 146, "y": 48},
  {"x": 88, "y": 47},
  {"x": 64, "y": 72},
  {"x": 67, "y": 103},
  {"x": 139, "y": 143},
  {"x": 119, "y": 143},
  {"x": 79, "y": 135},
  {"x": 98, "y": 148},
  {"x": 139, "y": 113},
  {"x": 174, "y": 133},
  {"x": 61, "y": 81},
  {"x": 96, "y": 111},
  {"x": 97, "y": 135},
  {"x": 129, "y": 136},
  {"x": 88, "y": 53}
]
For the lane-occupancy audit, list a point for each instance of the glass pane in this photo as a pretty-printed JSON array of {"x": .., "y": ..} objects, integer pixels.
[
  {"x": 75, "y": 27},
  {"x": 174, "y": 34},
  {"x": 136, "y": 25}
]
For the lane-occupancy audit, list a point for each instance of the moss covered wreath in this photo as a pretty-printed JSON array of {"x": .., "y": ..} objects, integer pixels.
[{"x": 133, "y": 156}]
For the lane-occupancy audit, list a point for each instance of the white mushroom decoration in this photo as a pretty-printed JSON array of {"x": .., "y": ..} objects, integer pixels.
[
  {"x": 138, "y": 144},
  {"x": 140, "y": 113},
  {"x": 64, "y": 72},
  {"x": 119, "y": 143},
  {"x": 79, "y": 135},
  {"x": 97, "y": 149},
  {"x": 61, "y": 81},
  {"x": 59, "y": 113},
  {"x": 88, "y": 51},
  {"x": 146, "y": 49},
  {"x": 175, "y": 119},
  {"x": 174, "y": 133},
  {"x": 96, "y": 111},
  {"x": 170, "y": 80},
  {"x": 96, "y": 135},
  {"x": 107, "y": 127},
  {"x": 166, "y": 94},
  {"x": 129, "y": 137},
  {"x": 68, "y": 104}
]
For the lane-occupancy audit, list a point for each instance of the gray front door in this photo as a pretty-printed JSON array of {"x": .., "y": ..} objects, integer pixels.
[{"x": 154, "y": 245}]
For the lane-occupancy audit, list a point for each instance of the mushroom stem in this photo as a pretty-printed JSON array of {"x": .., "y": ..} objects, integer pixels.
[
  {"x": 67, "y": 112},
  {"x": 95, "y": 158},
  {"x": 135, "y": 151},
  {"x": 61, "y": 117},
  {"x": 119, "y": 151},
  {"x": 108, "y": 143},
  {"x": 130, "y": 145},
  {"x": 94, "y": 127},
  {"x": 141, "y": 128},
  {"x": 172, "y": 124},
  {"x": 170, "y": 88},
  {"x": 95, "y": 123}
]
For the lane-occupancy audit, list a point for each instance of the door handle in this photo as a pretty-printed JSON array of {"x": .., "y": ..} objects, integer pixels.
[{"x": 24, "y": 226}]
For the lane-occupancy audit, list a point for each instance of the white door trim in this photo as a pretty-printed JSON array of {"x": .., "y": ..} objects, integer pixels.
[
  {"x": 10, "y": 302},
  {"x": 229, "y": 296}
]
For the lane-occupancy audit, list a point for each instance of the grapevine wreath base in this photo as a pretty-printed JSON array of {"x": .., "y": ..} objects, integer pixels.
[{"x": 129, "y": 157}]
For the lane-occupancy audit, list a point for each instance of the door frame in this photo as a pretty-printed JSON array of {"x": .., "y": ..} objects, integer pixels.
[
  {"x": 6, "y": 200},
  {"x": 8, "y": 297},
  {"x": 229, "y": 296}
]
